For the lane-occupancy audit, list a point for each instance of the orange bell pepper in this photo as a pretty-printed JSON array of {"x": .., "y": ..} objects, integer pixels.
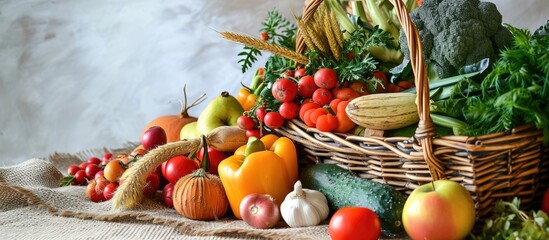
[
  {"x": 246, "y": 98},
  {"x": 263, "y": 166}
]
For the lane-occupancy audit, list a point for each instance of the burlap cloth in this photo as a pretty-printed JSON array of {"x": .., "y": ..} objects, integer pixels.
[{"x": 33, "y": 206}]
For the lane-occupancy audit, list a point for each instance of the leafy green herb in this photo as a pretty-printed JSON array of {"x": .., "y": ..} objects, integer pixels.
[
  {"x": 511, "y": 223},
  {"x": 66, "y": 181},
  {"x": 279, "y": 31},
  {"x": 249, "y": 56}
]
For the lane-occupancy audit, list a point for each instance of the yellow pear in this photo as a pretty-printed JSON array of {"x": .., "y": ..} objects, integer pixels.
[
  {"x": 223, "y": 110},
  {"x": 189, "y": 131}
]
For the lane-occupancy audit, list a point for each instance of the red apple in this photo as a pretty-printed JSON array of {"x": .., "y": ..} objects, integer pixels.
[
  {"x": 153, "y": 137},
  {"x": 445, "y": 212},
  {"x": 545, "y": 202}
]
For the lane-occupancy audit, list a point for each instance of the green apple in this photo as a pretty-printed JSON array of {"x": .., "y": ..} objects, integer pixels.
[{"x": 445, "y": 212}]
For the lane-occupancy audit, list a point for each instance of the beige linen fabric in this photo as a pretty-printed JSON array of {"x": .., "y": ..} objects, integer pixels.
[{"x": 33, "y": 206}]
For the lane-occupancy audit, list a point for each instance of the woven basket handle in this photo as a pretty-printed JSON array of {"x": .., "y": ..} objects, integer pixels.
[{"x": 425, "y": 130}]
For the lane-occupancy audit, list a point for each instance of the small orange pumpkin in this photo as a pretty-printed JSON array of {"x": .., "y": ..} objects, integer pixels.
[
  {"x": 172, "y": 124},
  {"x": 200, "y": 195}
]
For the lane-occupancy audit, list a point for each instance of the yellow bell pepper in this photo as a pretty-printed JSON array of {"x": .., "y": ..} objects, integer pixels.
[{"x": 270, "y": 169}]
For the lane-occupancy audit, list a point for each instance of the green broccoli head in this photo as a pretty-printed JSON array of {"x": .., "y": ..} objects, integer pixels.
[{"x": 456, "y": 33}]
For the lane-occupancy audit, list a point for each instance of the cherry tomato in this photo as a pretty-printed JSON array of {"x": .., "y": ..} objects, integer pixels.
[
  {"x": 92, "y": 193},
  {"x": 167, "y": 193},
  {"x": 245, "y": 122},
  {"x": 264, "y": 36},
  {"x": 322, "y": 96},
  {"x": 289, "y": 73},
  {"x": 300, "y": 72},
  {"x": 94, "y": 160},
  {"x": 83, "y": 165},
  {"x": 306, "y": 86},
  {"x": 109, "y": 190},
  {"x": 327, "y": 122},
  {"x": 260, "y": 113},
  {"x": 381, "y": 81},
  {"x": 176, "y": 167},
  {"x": 253, "y": 133},
  {"x": 284, "y": 90},
  {"x": 215, "y": 158},
  {"x": 306, "y": 106},
  {"x": 91, "y": 170},
  {"x": 80, "y": 176},
  {"x": 345, "y": 93},
  {"x": 73, "y": 169},
  {"x": 107, "y": 156},
  {"x": 273, "y": 120},
  {"x": 325, "y": 78},
  {"x": 359, "y": 87},
  {"x": 99, "y": 174},
  {"x": 113, "y": 170},
  {"x": 152, "y": 184},
  {"x": 350, "y": 223},
  {"x": 288, "y": 110}
]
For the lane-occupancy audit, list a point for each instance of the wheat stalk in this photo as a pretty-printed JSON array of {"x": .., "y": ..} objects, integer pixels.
[
  {"x": 263, "y": 45},
  {"x": 332, "y": 41},
  {"x": 336, "y": 30}
]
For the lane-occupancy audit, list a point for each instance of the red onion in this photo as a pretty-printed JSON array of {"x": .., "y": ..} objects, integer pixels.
[{"x": 260, "y": 210}]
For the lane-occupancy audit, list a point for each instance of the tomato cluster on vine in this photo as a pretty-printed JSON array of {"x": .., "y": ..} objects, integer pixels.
[{"x": 102, "y": 177}]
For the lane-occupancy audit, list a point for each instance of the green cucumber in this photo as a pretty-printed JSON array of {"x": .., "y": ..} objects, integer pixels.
[{"x": 343, "y": 188}]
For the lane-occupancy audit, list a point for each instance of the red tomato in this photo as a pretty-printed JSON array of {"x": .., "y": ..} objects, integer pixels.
[
  {"x": 306, "y": 106},
  {"x": 325, "y": 78},
  {"x": 245, "y": 122},
  {"x": 350, "y": 223},
  {"x": 406, "y": 84},
  {"x": 284, "y": 90},
  {"x": 326, "y": 122},
  {"x": 264, "y": 36},
  {"x": 359, "y": 87},
  {"x": 94, "y": 160},
  {"x": 73, "y": 169},
  {"x": 300, "y": 72},
  {"x": 152, "y": 184},
  {"x": 109, "y": 190},
  {"x": 345, "y": 93},
  {"x": 167, "y": 193},
  {"x": 176, "y": 167},
  {"x": 288, "y": 110},
  {"x": 260, "y": 113},
  {"x": 92, "y": 193},
  {"x": 306, "y": 86},
  {"x": 253, "y": 133},
  {"x": 91, "y": 170},
  {"x": 545, "y": 203},
  {"x": 322, "y": 96},
  {"x": 381, "y": 81},
  {"x": 392, "y": 88},
  {"x": 80, "y": 176},
  {"x": 273, "y": 120},
  {"x": 289, "y": 73},
  {"x": 215, "y": 158}
]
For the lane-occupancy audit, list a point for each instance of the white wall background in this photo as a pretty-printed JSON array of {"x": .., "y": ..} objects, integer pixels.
[{"x": 84, "y": 74}]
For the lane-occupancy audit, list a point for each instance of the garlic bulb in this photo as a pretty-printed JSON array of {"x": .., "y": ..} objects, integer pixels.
[{"x": 304, "y": 207}]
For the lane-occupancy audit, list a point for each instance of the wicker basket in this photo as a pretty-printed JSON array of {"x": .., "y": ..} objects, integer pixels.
[{"x": 492, "y": 167}]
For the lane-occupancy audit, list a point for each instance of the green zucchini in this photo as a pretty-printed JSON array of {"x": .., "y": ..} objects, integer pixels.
[{"x": 343, "y": 188}]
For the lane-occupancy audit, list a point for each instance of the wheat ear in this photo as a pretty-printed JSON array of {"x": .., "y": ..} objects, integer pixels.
[
  {"x": 263, "y": 45},
  {"x": 130, "y": 193}
]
